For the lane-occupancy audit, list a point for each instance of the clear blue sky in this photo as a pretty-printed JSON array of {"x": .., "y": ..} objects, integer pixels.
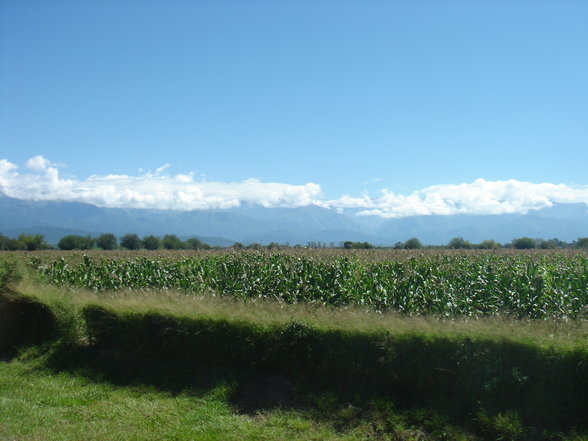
[{"x": 351, "y": 95}]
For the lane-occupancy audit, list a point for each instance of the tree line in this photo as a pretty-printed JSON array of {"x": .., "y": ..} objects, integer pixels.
[
  {"x": 131, "y": 241},
  {"x": 107, "y": 241}
]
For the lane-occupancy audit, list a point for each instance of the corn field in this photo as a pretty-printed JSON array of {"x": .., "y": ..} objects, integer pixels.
[{"x": 455, "y": 284}]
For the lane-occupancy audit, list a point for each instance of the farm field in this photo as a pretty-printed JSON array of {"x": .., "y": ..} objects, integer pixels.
[
  {"x": 295, "y": 344},
  {"x": 531, "y": 285}
]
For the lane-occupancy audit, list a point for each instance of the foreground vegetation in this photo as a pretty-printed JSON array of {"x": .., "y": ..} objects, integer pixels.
[
  {"x": 441, "y": 284},
  {"x": 167, "y": 362},
  {"x": 37, "y": 403}
]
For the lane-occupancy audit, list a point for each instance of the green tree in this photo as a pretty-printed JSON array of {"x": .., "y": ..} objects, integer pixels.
[
  {"x": 552, "y": 244},
  {"x": 194, "y": 243},
  {"x": 33, "y": 242},
  {"x": 151, "y": 242},
  {"x": 524, "y": 243},
  {"x": 75, "y": 242},
  {"x": 357, "y": 245},
  {"x": 489, "y": 245},
  {"x": 130, "y": 241},
  {"x": 8, "y": 244},
  {"x": 106, "y": 241},
  {"x": 581, "y": 242},
  {"x": 413, "y": 244},
  {"x": 172, "y": 242},
  {"x": 4, "y": 243},
  {"x": 459, "y": 243}
]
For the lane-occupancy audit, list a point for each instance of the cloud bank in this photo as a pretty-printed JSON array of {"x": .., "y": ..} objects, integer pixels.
[
  {"x": 41, "y": 181},
  {"x": 478, "y": 197},
  {"x": 149, "y": 190}
]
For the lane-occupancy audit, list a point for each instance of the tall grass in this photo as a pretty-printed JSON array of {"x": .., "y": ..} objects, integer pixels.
[{"x": 444, "y": 284}]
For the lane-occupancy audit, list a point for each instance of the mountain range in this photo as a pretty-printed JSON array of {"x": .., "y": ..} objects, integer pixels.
[{"x": 249, "y": 224}]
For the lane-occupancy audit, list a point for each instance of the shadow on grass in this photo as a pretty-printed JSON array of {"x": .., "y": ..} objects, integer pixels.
[
  {"x": 338, "y": 376},
  {"x": 23, "y": 322}
]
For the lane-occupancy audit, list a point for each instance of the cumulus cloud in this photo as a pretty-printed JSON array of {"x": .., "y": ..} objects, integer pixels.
[
  {"x": 42, "y": 181},
  {"x": 40, "y": 164},
  {"x": 157, "y": 191},
  {"x": 478, "y": 197}
]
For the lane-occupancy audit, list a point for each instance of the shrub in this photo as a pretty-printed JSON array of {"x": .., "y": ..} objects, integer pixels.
[
  {"x": 130, "y": 242},
  {"x": 106, "y": 241},
  {"x": 524, "y": 243},
  {"x": 74, "y": 242},
  {"x": 413, "y": 244},
  {"x": 151, "y": 242}
]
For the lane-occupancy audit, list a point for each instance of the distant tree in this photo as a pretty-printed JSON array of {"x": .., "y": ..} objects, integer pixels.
[
  {"x": 75, "y": 242},
  {"x": 273, "y": 246},
  {"x": 254, "y": 246},
  {"x": 524, "y": 243},
  {"x": 489, "y": 245},
  {"x": 459, "y": 243},
  {"x": 172, "y": 242},
  {"x": 357, "y": 245},
  {"x": 151, "y": 242},
  {"x": 581, "y": 242},
  {"x": 238, "y": 246},
  {"x": 130, "y": 241},
  {"x": 552, "y": 244},
  {"x": 398, "y": 246},
  {"x": 24, "y": 242},
  {"x": 106, "y": 241},
  {"x": 4, "y": 242},
  {"x": 413, "y": 244},
  {"x": 8, "y": 244},
  {"x": 194, "y": 244}
]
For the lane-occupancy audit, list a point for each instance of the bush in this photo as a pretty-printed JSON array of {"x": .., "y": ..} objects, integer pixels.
[
  {"x": 74, "y": 242},
  {"x": 459, "y": 243},
  {"x": 130, "y": 242},
  {"x": 582, "y": 242},
  {"x": 172, "y": 242},
  {"x": 413, "y": 244},
  {"x": 151, "y": 242},
  {"x": 524, "y": 243},
  {"x": 489, "y": 245},
  {"x": 24, "y": 242},
  {"x": 106, "y": 241}
]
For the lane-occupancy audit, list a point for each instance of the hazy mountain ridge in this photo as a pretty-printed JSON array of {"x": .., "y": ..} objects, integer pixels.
[{"x": 293, "y": 225}]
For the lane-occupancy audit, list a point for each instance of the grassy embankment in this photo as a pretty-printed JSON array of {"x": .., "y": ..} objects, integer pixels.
[{"x": 270, "y": 370}]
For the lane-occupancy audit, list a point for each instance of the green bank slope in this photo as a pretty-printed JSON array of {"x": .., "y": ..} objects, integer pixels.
[{"x": 176, "y": 365}]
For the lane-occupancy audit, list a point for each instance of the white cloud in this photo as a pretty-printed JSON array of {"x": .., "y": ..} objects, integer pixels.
[
  {"x": 39, "y": 164},
  {"x": 183, "y": 192},
  {"x": 157, "y": 191},
  {"x": 478, "y": 197},
  {"x": 161, "y": 169}
]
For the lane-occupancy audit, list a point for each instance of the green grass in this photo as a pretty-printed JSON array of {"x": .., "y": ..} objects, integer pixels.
[
  {"x": 37, "y": 404},
  {"x": 175, "y": 364}
]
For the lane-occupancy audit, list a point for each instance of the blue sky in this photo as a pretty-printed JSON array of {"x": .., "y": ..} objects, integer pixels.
[{"x": 321, "y": 99}]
